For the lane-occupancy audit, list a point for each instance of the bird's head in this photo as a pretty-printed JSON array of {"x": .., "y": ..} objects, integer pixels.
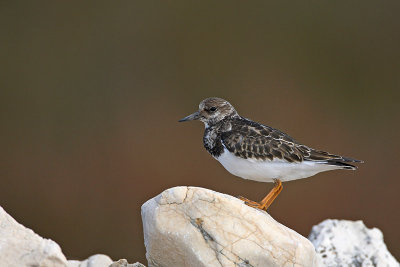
[{"x": 211, "y": 111}]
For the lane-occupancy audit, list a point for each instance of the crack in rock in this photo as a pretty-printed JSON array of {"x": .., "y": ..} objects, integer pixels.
[{"x": 198, "y": 223}]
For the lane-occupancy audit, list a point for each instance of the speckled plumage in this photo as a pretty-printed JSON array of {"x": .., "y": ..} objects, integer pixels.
[
  {"x": 259, "y": 152},
  {"x": 251, "y": 140}
]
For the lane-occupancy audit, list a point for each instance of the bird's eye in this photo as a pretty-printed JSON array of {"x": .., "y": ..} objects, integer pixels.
[{"x": 212, "y": 109}]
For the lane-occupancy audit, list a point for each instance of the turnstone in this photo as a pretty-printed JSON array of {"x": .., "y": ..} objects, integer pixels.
[{"x": 259, "y": 152}]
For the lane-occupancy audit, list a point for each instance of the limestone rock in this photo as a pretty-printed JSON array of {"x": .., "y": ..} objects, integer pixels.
[
  {"x": 190, "y": 226},
  {"x": 101, "y": 260},
  {"x": 348, "y": 243},
  {"x": 20, "y": 246},
  {"x": 124, "y": 263},
  {"x": 98, "y": 260}
]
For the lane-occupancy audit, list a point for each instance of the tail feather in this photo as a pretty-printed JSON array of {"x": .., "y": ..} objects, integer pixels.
[
  {"x": 332, "y": 159},
  {"x": 351, "y": 160},
  {"x": 318, "y": 155},
  {"x": 342, "y": 165}
]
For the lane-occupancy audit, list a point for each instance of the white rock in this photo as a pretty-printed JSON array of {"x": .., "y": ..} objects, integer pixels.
[
  {"x": 98, "y": 260},
  {"x": 190, "y": 226},
  {"x": 348, "y": 243},
  {"x": 73, "y": 263},
  {"x": 20, "y": 246},
  {"x": 124, "y": 263}
]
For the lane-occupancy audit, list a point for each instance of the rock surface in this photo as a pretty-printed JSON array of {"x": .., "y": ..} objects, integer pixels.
[
  {"x": 124, "y": 263},
  {"x": 20, "y": 246},
  {"x": 348, "y": 243},
  {"x": 101, "y": 260},
  {"x": 98, "y": 260},
  {"x": 190, "y": 226}
]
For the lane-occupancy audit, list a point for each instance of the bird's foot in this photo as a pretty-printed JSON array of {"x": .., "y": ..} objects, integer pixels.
[{"x": 252, "y": 203}]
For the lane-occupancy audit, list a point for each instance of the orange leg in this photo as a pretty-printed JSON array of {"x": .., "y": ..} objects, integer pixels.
[{"x": 267, "y": 201}]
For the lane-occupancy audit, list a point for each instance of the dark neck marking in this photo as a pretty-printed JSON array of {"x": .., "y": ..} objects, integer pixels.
[
  {"x": 212, "y": 142},
  {"x": 212, "y": 135}
]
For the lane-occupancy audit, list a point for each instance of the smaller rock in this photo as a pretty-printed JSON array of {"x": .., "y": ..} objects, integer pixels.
[
  {"x": 98, "y": 260},
  {"x": 20, "y": 246},
  {"x": 348, "y": 243},
  {"x": 124, "y": 263},
  {"x": 73, "y": 263}
]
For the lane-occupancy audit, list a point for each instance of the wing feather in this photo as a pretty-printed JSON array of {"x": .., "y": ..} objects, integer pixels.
[
  {"x": 251, "y": 140},
  {"x": 248, "y": 139}
]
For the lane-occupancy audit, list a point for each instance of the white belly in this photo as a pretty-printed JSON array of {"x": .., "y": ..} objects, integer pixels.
[{"x": 266, "y": 171}]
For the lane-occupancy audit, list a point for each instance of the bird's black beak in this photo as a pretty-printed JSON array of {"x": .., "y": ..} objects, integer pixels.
[{"x": 191, "y": 117}]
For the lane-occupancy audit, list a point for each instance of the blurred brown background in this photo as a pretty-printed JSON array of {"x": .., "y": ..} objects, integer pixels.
[{"x": 91, "y": 94}]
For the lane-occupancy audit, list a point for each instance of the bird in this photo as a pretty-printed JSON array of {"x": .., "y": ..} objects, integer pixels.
[{"x": 258, "y": 152}]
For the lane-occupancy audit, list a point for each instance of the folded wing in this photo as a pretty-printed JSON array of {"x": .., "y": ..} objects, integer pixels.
[{"x": 251, "y": 140}]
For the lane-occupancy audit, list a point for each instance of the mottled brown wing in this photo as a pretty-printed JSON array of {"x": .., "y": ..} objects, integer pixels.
[
  {"x": 318, "y": 155},
  {"x": 248, "y": 139}
]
